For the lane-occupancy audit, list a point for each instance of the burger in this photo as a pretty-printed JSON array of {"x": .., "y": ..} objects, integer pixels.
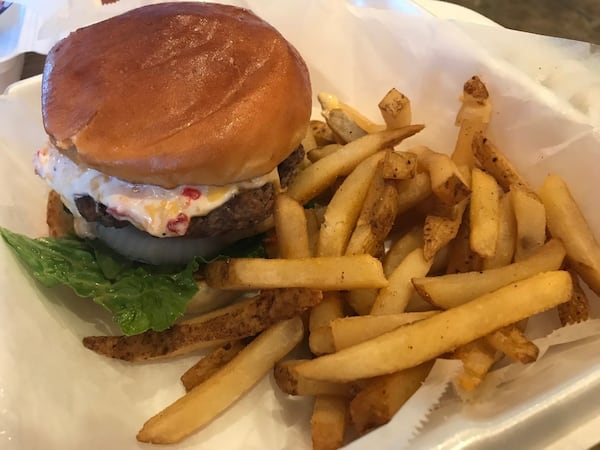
[
  {"x": 171, "y": 129},
  {"x": 175, "y": 122}
]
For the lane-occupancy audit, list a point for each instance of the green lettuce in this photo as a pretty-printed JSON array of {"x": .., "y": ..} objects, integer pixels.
[{"x": 139, "y": 296}]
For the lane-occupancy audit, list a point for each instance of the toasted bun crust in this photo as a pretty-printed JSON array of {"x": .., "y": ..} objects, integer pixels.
[{"x": 177, "y": 93}]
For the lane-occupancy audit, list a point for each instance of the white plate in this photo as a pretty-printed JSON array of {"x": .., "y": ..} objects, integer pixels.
[{"x": 57, "y": 395}]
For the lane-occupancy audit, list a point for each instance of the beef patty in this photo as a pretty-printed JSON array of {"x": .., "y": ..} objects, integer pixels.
[{"x": 247, "y": 209}]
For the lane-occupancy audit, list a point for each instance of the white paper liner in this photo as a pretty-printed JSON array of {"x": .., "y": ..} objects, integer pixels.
[{"x": 357, "y": 53}]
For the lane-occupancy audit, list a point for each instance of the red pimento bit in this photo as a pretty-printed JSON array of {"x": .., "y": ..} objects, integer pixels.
[
  {"x": 179, "y": 225},
  {"x": 191, "y": 193}
]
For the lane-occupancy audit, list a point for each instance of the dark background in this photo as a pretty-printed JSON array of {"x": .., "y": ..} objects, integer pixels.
[{"x": 573, "y": 19}]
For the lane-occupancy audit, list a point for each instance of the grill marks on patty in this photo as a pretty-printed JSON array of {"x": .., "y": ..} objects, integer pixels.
[{"x": 245, "y": 210}]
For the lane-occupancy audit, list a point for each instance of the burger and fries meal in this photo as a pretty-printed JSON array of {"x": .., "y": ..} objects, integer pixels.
[{"x": 207, "y": 211}]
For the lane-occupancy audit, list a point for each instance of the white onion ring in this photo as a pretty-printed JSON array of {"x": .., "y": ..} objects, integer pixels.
[{"x": 137, "y": 245}]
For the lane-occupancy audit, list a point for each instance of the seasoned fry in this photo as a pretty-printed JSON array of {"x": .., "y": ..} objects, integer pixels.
[
  {"x": 567, "y": 223},
  {"x": 513, "y": 343},
  {"x": 484, "y": 214},
  {"x": 473, "y": 118},
  {"x": 319, "y": 176},
  {"x": 376, "y": 218},
  {"x": 394, "y": 298},
  {"x": 413, "y": 344},
  {"x": 460, "y": 256},
  {"x": 439, "y": 231},
  {"x": 577, "y": 309},
  {"x": 322, "y": 133},
  {"x": 507, "y": 236},
  {"x": 325, "y": 273},
  {"x": 477, "y": 358},
  {"x": 328, "y": 422},
  {"x": 203, "y": 403},
  {"x": 210, "y": 364},
  {"x": 237, "y": 321},
  {"x": 448, "y": 291},
  {"x": 344, "y": 208},
  {"x": 376, "y": 403},
  {"x": 494, "y": 162},
  {"x": 447, "y": 181},
  {"x": 399, "y": 165},
  {"x": 59, "y": 221},
  {"x": 349, "y": 331},
  {"x": 342, "y": 125},
  {"x": 290, "y": 224},
  {"x": 395, "y": 109},
  {"x": 290, "y": 382},
  {"x": 530, "y": 218}
]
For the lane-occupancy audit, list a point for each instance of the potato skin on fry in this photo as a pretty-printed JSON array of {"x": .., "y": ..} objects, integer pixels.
[{"x": 238, "y": 321}]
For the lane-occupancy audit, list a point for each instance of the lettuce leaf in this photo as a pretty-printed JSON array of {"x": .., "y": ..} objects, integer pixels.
[{"x": 139, "y": 296}]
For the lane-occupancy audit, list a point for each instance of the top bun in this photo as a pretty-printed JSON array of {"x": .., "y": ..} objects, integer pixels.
[{"x": 177, "y": 93}]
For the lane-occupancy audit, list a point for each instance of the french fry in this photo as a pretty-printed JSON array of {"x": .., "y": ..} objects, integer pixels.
[
  {"x": 530, "y": 218},
  {"x": 237, "y": 321},
  {"x": 342, "y": 125},
  {"x": 59, "y": 221},
  {"x": 210, "y": 364},
  {"x": 320, "y": 339},
  {"x": 400, "y": 249},
  {"x": 322, "y": 133},
  {"x": 513, "y": 343},
  {"x": 394, "y": 298},
  {"x": 577, "y": 309},
  {"x": 312, "y": 228},
  {"x": 318, "y": 153},
  {"x": 413, "y": 344},
  {"x": 448, "y": 291},
  {"x": 308, "y": 141},
  {"x": 460, "y": 256},
  {"x": 345, "y": 207},
  {"x": 349, "y": 331},
  {"x": 473, "y": 118},
  {"x": 412, "y": 192},
  {"x": 395, "y": 109},
  {"x": 484, "y": 214},
  {"x": 319, "y": 176},
  {"x": 330, "y": 101},
  {"x": 361, "y": 300},
  {"x": 507, "y": 236},
  {"x": 376, "y": 218},
  {"x": 325, "y": 273},
  {"x": 494, "y": 162},
  {"x": 439, "y": 231},
  {"x": 477, "y": 357},
  {"x": 328, "y": 422},
  {"x": 203, "y": 403},
  {"x": 447, "y": 181},
  {"x": 567, "y": 223},
  {"x": 376, "y": 404},
  {"x": 291, "y": 383},
  {"x": 399, "y": 165},
  {"x": 290, "y": 224}
]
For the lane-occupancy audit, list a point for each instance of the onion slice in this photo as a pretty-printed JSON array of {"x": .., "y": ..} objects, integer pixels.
[{"x": 137, "y": 245}]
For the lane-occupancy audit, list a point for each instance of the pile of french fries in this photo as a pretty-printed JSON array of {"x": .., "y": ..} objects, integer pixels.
[{"x": 402, "y": 257}]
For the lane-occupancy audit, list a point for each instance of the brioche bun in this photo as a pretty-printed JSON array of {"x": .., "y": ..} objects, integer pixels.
[{"x": 177, "y": 93}]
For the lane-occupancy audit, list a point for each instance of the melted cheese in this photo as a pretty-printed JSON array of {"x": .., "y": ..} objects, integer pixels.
[{"x": 158, "y": 211}]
